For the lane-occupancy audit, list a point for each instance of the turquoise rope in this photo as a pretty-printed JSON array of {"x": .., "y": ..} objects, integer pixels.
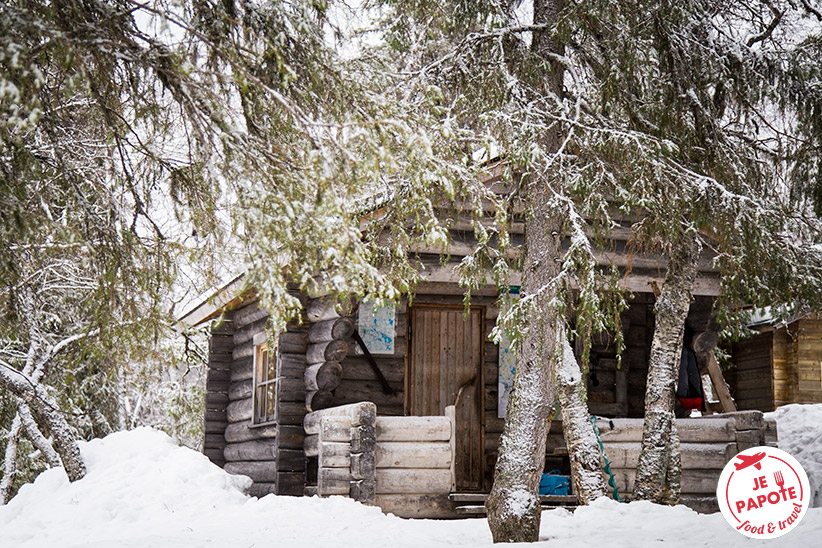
[{"x": 611, "y": 480}]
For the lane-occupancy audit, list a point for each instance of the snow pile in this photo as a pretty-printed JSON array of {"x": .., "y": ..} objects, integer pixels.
[
  {"x": 143, "y": 491},
  {"x": 799, "y": 427}
]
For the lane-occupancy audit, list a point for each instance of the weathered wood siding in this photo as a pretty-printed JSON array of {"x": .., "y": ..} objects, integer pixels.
[
  {"x": 752, "y": 378},
  {"x": 779, "y": 366},
  {"x": 808, "y": 353},
  {"x": 218, "y": 378}
]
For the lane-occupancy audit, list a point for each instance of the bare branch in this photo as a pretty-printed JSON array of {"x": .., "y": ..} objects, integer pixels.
[{"x": 771, "y": 27}]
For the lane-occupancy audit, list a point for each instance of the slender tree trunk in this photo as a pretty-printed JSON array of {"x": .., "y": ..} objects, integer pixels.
[
  {"x": 580, "y": 438},
  {"x": 46, "y": 410},
  {"x": 101, "y": 425},
  {"x": 23, "y": 421},
  {"x": 10, "y": 460},
  {"x": 658, "y": 470},
  {"x": 513, "y": 506},
  {"x": 37, "y": 437}
]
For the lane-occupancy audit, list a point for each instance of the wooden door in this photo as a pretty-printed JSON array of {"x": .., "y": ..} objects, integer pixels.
[{"x": 445, "y": 368}]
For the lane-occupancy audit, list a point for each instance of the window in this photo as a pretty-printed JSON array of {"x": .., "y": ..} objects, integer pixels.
[{"x": 266, "y": 372}]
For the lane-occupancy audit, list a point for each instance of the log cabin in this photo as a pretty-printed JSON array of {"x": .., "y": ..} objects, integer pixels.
[
  {"x": 403, "y": 406},
  {"x": 779, "y": 365}
]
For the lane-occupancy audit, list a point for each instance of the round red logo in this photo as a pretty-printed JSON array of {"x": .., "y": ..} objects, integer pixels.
[{"x": 763, "y": 492}]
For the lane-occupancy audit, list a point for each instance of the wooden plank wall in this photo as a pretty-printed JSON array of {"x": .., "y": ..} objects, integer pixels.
[
  {"x": 751, "y": 380},
  {"x": 779, "y": 367},
  {"x": 784, "y": 370},
  {"x": 808, "y": 355},
  {"x": 271, "y": 455}
]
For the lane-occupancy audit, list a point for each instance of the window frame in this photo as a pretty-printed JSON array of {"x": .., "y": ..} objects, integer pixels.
[{"x": 261, "y": 382}]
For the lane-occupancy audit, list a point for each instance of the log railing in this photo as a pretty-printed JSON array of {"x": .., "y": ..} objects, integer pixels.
[
  {"x": 706, "y": 444},
  {"x": 379, "y": 460}
]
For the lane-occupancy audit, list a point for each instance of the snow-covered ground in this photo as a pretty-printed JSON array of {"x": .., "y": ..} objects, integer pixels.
[
  {"x": 800, "y": 433},
  {"x": 142, "y": 490}
]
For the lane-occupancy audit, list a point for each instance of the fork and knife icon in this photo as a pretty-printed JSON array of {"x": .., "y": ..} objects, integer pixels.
[{"x": 777, "y": 476}]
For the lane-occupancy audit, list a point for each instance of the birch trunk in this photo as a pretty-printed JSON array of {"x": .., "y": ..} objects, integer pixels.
[
  {"x": 580, "y": 438},
  {"x": 37, "y": 437},
  {"x": 47, "y": 411},
  {"x": 658, "y": 471},
  {"x": 10, "y": 460},
  {"x": 513, "y": 506}
]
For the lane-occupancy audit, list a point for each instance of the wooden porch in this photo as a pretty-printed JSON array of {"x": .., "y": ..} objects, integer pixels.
[{"x": 406, "y": 465}]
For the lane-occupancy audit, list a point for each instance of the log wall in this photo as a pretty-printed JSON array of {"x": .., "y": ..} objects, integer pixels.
[
  {"x": 359, "y": 382},
  {"x": 416, "y": 465},
  {"x": 707, "y": 444},
  {"x": 218, "y": 377},
  {"x": 322, "y": 367},
  {"x": 341, "y": 441},
  {"x": 642, "y": 270},
  {"x": 405, "y": 465},
  {"x": 271, "y": 455}
]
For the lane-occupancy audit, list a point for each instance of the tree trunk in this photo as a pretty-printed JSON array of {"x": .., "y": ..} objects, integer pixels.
[
  {"x": 49, "y": 414},
  {"x": 580, "y": 438},
  {"x": 37, "y": 437},
  {"x": 10, "y": 460},
  {"x": 513, "y": 506},
  {"x": 658, "y": 471}
]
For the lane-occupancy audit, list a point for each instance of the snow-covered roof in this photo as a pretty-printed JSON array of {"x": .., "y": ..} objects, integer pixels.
[{"x": 212, "y": 303}]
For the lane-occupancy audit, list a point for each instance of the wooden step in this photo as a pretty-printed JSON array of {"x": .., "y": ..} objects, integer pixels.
[
  {"x": 479, "y": 510},
  {"x": 543, "y": 499}
]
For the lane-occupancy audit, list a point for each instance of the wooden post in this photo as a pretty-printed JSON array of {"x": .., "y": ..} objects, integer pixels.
[
  {"x": 451, "y": 413},
  {"x": 344, "y": 439},
  {"x": 363, "y": 454},
  {"x": 718, "y": 381}
]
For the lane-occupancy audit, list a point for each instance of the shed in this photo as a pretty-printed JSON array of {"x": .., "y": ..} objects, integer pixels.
[{"x": 781, "y": 364}]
